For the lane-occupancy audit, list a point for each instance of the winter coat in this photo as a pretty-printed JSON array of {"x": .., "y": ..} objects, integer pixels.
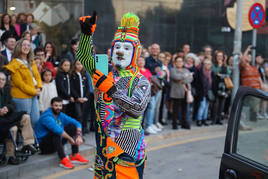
[
  {"x": 75, "y": 86},
  {"x": 203, "y": 85},
  {"x": 48, "y": 92},
  {"x": 62, "y": 85},
  {"x": 22, "y": 84},
  {"x": 177, "y": 90}
]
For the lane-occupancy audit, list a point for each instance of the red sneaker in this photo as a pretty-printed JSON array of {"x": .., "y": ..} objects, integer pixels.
[
  {"x": 65, "y": 163},
  {"x": 77, "y": 158}
]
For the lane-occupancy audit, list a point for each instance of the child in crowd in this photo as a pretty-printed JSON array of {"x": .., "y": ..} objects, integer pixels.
[
  {"x": 37, "y": 60},
  {"x": 48, "y": 92},
  {"x": 44, "y": 64},
  {"x": 63, "y": 85},
  {"x": 80, "y": 91}
]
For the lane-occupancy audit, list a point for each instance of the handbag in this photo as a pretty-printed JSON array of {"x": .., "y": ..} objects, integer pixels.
[
  {"x": 189, "y": 97},
  {"x": 155, "y": 85},
  {"x": 228, "y": 83},
  {"x": 211, "y": 96}
]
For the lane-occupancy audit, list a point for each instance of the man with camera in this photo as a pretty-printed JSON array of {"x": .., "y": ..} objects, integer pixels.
[
  {"x": 250, "y": 77},
  {"x": 249, "y": 74}
]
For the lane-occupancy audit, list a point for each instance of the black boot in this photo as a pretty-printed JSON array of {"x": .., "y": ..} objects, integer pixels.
[
  {"x": 199, "y": 123},
  {"x": 13, "y": 161},
  {"x": 186, "y": 126},
  {"x": 219, "y": 122},
  {"x": 175, "y": 127},
  {"x": 204, "y": 122},
  {"x": 213, "y": 121}
]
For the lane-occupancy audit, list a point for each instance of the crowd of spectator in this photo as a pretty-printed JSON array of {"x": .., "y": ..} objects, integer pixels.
[
  {"x": 40, "y": 85},
  {"x": 197, "y": 87}
]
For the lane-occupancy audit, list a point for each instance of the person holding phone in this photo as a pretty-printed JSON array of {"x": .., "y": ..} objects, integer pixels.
[
  {"x": 122, "y": 97},
  {"x": 250, "y": 77}
]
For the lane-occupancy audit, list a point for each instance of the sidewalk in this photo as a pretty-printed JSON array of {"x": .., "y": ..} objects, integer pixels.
[{"x": 37, "y": 161}]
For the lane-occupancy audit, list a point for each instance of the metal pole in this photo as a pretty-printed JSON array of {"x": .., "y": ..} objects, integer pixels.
[
  {"x": 83, "y": 7},
  {"x": 237, "y": 46},
  {"x": 253, "y": 50},
  {"x": 3, "y": 8}
]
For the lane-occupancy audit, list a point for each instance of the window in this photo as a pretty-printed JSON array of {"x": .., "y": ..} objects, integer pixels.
[
  {"x": 57, "y": 19},
  {"x": 252, "y": 141}
]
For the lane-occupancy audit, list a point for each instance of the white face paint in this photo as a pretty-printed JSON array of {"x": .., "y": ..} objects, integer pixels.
[{"x": 122, "y": 54}]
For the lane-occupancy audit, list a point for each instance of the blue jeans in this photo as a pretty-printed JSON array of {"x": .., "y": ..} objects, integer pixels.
[
  {"x": 30, "y": 106},
  {"x": 149, "y": 115},
  {"x": 164, "y": 110},
  {"x": 157, "y": 105},
  {"x": 202, "y": 113},
  {"x": 189, "y": 112}
]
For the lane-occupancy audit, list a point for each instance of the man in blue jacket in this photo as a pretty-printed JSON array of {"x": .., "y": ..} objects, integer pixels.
[{"x": 54, "y": 129}]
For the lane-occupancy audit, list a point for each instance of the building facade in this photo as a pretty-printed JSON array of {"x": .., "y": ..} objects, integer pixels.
[{"x": 171, "y": 23}]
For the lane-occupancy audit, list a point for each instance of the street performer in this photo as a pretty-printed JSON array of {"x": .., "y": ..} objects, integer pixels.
[{"x": 122, "y": 98}]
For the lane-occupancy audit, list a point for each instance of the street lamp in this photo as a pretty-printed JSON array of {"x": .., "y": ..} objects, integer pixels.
[{"x": 12, "y": 8}]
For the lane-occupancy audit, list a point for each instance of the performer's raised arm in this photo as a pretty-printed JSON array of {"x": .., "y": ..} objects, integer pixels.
[{"x": 85, "y": 51}]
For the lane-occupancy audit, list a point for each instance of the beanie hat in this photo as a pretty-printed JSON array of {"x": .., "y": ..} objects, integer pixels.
[{"x": 129, "y": 32}]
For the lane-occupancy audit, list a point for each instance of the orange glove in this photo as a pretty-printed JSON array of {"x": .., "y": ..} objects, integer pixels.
[
  {"x": 104, "y": 83},
  {"x": 88, "y": 23}
]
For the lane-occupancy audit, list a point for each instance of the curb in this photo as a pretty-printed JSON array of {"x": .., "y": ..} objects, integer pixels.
[
  {"x": 88, "y": 150},
  {"x": 38, "y": 161},
  {"x": 167, "y": 134}
]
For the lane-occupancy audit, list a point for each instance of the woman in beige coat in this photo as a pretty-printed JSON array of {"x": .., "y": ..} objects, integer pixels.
[{"x": 181, "y": 79}]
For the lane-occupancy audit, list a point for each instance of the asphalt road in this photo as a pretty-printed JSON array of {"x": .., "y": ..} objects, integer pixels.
[{"x": 188, "y": 157}]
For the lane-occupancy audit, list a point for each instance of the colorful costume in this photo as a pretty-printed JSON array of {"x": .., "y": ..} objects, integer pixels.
[{"x": 123, "y": 97}]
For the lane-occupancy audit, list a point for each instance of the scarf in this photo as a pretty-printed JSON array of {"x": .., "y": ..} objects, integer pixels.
[
  {"x": 188, "y": 65},
  {"x": 207, "y": 74}
]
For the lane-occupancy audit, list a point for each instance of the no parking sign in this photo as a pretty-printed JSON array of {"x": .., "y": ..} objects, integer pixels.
[{"x": 256, "y": 15}]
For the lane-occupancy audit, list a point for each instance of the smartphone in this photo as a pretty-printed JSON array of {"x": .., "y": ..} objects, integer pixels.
[{"x": 101, "y": 62}]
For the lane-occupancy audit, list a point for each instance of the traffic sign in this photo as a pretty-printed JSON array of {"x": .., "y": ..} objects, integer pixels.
[{"x": 256, "y": 15}]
